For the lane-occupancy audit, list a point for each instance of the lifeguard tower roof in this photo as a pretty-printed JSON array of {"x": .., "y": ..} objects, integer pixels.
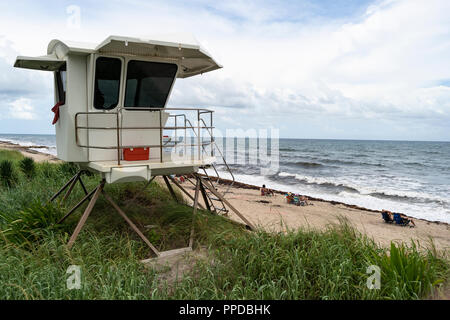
[{"x": 194, "y": 59}]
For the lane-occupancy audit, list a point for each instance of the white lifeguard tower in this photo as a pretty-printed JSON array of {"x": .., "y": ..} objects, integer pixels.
[{"x": 111, "y": 116}]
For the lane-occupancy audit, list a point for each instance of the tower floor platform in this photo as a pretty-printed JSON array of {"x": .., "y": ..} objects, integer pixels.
[{"x": 129, "y": 171}]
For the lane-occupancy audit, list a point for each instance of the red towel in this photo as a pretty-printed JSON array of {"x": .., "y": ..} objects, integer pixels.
[{"x": 55, "y": 109}]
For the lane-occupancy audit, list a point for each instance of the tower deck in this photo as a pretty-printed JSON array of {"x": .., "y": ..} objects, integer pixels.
[{"x": 128, "y": 171}]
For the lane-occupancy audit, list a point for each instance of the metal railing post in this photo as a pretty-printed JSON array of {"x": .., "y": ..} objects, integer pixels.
[
  {"x": 118, "y": 142},
  {"x": 212, "y": 136},
  {"x": 160, "y": 137},
  {"x": 176, "y": 134},
  {"x": 198, "y": 135}
]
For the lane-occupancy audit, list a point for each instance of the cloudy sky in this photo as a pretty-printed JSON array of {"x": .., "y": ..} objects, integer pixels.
[{"x": 343, "y": 69}]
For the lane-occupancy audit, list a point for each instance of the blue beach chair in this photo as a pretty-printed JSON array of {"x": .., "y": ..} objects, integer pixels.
[{"x": 399, "y": 220}]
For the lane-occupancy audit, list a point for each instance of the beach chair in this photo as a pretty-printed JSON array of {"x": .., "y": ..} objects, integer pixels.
[
  {"x": 386, "y": 217},
  {"x": 400, "y": 221}
]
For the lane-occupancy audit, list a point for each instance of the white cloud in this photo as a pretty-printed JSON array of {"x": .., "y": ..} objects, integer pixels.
[
  {"x": 21, "y": 108},
  {"x": 384, "y": 64}
]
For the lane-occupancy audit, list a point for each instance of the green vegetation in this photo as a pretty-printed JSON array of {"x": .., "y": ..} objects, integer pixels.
[
  {"x": 232, "y": 264},
  {"x": 27, "y": 167},
  {"x": 11, "y": 155},
  {"x": 8, "y": 175}
]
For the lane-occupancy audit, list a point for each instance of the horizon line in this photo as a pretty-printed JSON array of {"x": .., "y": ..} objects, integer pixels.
[{"x": 286, "y": 138}]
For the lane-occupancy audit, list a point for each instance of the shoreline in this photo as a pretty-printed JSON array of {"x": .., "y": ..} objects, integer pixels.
[
  {"x": 27, "y": 151},
  {"x": 274, "y": 214},
  {"x": 244, "y": 185},
  {"x": 41, "y": 156}
]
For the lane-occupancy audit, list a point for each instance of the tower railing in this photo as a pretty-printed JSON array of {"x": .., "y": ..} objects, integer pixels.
[
  {"x": 202, "y": 138},
  {"x": 200, "y": 142}
]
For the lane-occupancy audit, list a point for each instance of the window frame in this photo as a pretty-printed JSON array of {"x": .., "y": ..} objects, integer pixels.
[
  {"x": 120, "y": 93},
  {"x": 125, "y": 76},
  {"x": 60, "y": 85}
]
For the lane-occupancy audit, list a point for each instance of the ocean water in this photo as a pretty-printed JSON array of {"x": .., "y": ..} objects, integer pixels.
[
  {"x": 47, "y": 140},
  {"x": 401, "y": 176}
]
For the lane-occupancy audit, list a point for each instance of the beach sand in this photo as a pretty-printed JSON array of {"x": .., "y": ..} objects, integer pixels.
[{"x": 273, "y": 213}]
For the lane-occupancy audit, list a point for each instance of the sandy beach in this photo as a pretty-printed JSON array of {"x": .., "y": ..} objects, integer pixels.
[
  {"x": 29, "y": 152},
  {"x": 274, "y": 214}
]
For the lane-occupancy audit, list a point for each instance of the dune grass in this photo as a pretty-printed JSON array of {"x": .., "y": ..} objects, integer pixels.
[
  {"x": 299, "y": 264},
  {"x": 12, "y": 155}
]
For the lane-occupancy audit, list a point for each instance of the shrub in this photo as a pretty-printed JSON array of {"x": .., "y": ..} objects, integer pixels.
[
  {"x": 28, "y": 167},
  {"x": 8, "y": 175},
  {"x": 29, "y": 224},
  {"x": 47, "y": 169},
  {"x": 69, "y": 168}
]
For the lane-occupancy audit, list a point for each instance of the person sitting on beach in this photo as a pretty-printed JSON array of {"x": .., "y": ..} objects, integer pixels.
[
  {"x": 265, "y": 191},
  {"x": 304, "y": 200},
  {"x": 403, "y": 220},
  {"x": 387, "y": 216},
  {"x": 289, "y": 198}
]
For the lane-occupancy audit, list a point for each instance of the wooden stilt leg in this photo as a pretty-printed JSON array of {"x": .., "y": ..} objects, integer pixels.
[
  {"x": 88, "y": 196},
  {"x": 64, "y": 187},
  {"x": 85, "y": 215},
  {"x": 71, "y": 186},
  {"x": 191, "y": 238},
  {"x": 205, "y": 197},
  {"x": 82, "y": 185},
  {"x": 132, "y": 225},
  {"x": 170, "y": 188},
  {"x": 218, "y": 195},
  {"x": 185, "y": 192}
]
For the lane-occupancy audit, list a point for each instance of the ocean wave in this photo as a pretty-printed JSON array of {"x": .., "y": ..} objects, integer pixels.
[
  {"x": 337, "y": 187},
  {"x": 350, "y": 162},
  {"x": 317, "y": 181},
  {"x": 304, "y": 164},
  {"x": 408, "y": 197},
  {"x": 287, "y": 149}
]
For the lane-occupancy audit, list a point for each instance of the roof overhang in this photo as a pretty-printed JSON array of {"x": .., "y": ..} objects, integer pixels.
[
  {"x": 45, "y": 63},
  {"x": 193, "y": 59},
  {"x": 183, "y": 49}
]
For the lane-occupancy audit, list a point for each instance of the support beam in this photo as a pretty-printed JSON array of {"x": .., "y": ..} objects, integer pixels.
[
  {"x": 218, "y": 195},
  {"x": 82, "y": 185},
  {"x": 205, "y": 197},
  {"x": 85, "y": 214},
  {"x": 191, "y": 237},
  {"x": 72, "y": 185},
  {"x": 64, "y": 187},
  {"x": 184, "y": 191},
  {"x": 170, "y": 188},
  {"x": 132, "y": 225},
  {"x": 88, "y": 196}
]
